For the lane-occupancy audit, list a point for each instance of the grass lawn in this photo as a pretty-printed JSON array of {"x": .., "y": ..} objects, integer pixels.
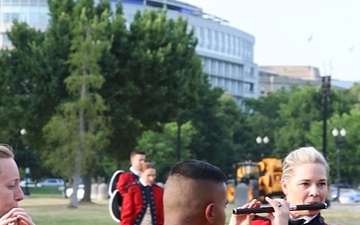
[
  {"x": 41, "y": 192},
  {"x": 46, "y": 206},
  {"x": 54, "y": 211}
]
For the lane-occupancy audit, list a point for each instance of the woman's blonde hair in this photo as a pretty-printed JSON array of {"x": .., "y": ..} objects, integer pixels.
[
  {"x": 302, "y": 156},
  {"x": 5, "y": 153}
]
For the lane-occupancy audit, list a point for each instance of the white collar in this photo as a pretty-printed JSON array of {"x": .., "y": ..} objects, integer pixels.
[
  {"x": 143, "y": 183},
  {"x": 306, "y": 218},
  {"x": 134, "y": 171}
]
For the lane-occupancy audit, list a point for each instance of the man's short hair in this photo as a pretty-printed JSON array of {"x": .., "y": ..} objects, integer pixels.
[
  {"x": 136, "y": 152},
  {"x": 191, "y": 185},
  {"x": 198, "y": 170}
]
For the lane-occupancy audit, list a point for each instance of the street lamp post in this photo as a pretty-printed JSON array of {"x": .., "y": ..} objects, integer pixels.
[
  {"x": 262, "y": 142},
  {"x": 27, "y": 169},
  {"x": 339, "y": 141},
  {"x": 178, "y": 152},
  {"x": 326, "y": 84}
]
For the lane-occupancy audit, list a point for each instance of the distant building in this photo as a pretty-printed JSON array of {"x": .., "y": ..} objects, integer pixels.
[
  {"x": 274, "y": 78},
  {"x": 227, "y": 53},
  {"x": 300, "y": 72}
]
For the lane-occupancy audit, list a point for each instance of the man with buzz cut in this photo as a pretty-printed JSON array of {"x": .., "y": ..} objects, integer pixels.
[{"x": 195, "y": 194}]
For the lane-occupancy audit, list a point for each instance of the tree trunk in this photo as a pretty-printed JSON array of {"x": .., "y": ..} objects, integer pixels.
[{"x": 87, "y": 183}]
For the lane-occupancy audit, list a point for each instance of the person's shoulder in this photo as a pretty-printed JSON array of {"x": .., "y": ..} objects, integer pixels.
[
  {"x": 258, "y": 220},
  {"x": 157, "y": 187},
  {"x": 133, "y": 186},
  {"x": 126, "y": 175}
]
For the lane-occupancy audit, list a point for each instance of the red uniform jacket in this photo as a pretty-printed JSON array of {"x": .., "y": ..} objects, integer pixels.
[
  {"x": 134, "y": 205},
  {"x": 124, "y": 181},
  {"x": 318, "y": 220}
]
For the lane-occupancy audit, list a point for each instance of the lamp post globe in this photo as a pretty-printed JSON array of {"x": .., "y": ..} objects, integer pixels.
[
  {"x": 23, "y": 131},
  {"x": 335, "y": 132},
  {"x": 343, "y": 132},
  {"x": 258, "y": 140},
  {"x": 266, "y": 140}
]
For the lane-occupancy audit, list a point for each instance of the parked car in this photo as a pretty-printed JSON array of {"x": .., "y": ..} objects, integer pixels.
[
  {"x": 54, "y": 182},
  {"x": 80, "y": 192},
  {"x": 30, "y": 183},
  {"x": 349, "y": 196}
]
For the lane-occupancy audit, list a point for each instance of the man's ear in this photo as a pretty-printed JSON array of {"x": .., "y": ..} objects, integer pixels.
[{"x": 209, "y": 212}]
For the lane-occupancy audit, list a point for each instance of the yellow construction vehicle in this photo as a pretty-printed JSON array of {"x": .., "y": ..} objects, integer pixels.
[{"x": 255, "y": 180}]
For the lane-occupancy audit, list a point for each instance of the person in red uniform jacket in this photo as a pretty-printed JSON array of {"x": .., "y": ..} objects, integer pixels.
[
  {"x": 304, "y": 181},
  {"x": 125, "y": 179},
  {"x": 143, "y": 201}
]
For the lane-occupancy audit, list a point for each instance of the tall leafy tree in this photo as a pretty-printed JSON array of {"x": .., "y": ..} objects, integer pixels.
[
  {"x": 157, "y": 75},
  {"x": 82, "y": 118},
  {"x": 18, "y": 66},
  {"x": 162, "y": 65},
  {"x": 303, "y": 108}
]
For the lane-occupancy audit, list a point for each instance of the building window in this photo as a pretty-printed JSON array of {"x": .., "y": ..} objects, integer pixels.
[
  {"x": 15, "y": 2},
  {"x": 208, "y": 65},
  {"x": 197, "y": 34},
  {"x": 228, "y": 85},
  {"x": 228, "y": 69},
  {"x": 10, "y": 17},
  {"x": 6, "y": 41},
  {"x": 228, "y": 44},
  {"x": 215, "y": 69},
  {"x": 222, "y": 42},
  {"x": 248, "y": 87},
  {"x": 233, "y": 86},
  {"x": 221, "y": 68},
  {"x": 24, "y": 2},
  {"x": 6, "y": 2},
  {"x": 216, "y": 41}
]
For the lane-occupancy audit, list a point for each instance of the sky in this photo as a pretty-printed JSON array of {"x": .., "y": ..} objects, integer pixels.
[{"x": 319, "y": 33}]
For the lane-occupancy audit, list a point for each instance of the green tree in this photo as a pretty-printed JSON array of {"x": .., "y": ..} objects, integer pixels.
[
  {"x": 161, "y": 147},
  {"x": 158, "y": 74},
  {"x": 264, "y": 120},
  {"x": 163, "y": 65},
  {"x": 349, "y": 150},
  {"x": 151, "y": 73},
  {"x": 216, "y": 122},
  {"x": 303, "y": 108},
  {"x": 80, "y": 127},
  {"x": 17, "y": 81}
]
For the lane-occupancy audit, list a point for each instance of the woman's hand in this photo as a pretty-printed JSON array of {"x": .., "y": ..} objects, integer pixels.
[
  {"x": 281, "y": 213},
  {"x": 16, "y": 216},
  {"x": 245, "y": 219}
]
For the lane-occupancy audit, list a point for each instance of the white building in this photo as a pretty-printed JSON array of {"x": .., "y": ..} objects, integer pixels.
[
  {"x": 227, "y": 53},
  {"x": 33, "y": 12}
]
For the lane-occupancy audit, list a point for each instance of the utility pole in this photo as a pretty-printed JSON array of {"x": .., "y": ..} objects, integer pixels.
[{"x": 326, "y": 83}]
